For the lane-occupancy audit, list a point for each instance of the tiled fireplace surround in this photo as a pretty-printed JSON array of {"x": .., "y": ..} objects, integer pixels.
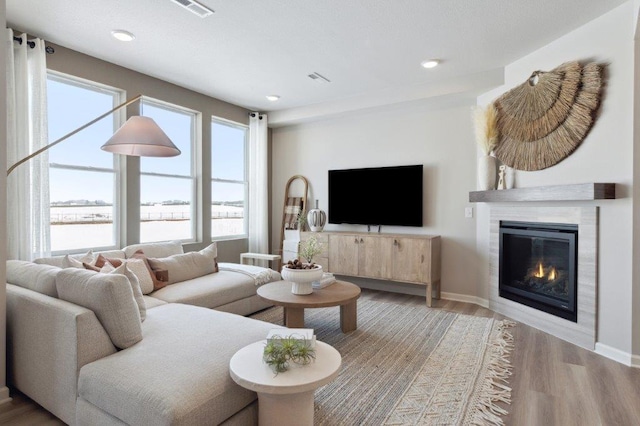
[{"x": 582, "y": 333}]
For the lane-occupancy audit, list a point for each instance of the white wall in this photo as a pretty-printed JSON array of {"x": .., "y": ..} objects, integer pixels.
[
  {"x": 606, "y": 155},
  {"x": 440, "y": 139}
]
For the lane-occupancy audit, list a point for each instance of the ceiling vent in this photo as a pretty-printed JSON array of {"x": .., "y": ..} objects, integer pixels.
[
  {"x": 194, "y": 7},
  {"x": 319, "y": 77}
]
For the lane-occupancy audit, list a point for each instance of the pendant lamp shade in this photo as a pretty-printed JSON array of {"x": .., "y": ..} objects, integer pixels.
[{"x": 141, "y": 137}]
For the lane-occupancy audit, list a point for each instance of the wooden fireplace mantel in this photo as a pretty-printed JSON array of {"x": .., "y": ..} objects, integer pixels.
[{"x": 572, "y": 192}]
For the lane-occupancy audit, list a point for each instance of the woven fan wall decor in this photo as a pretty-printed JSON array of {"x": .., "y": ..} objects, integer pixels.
[{"x": 543, "y": 120}]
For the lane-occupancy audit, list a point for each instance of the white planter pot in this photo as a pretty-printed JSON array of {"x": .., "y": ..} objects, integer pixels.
[
  {"x": 487, "y": 173},
  {"x": 302, "y": 279}
]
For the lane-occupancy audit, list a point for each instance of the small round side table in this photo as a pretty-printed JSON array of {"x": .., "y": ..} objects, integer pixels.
[{"x": 286, "y": 398}]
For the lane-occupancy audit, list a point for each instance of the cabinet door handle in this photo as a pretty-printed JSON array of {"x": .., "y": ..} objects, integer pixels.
[
  {"x": 361, "y": 240},
  {"x": 356, "y": 240},
  {"x": 395, "y": 242},
  {"x": 422, "y": 259}
]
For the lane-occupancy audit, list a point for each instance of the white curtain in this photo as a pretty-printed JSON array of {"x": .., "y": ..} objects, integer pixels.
[
  {"x": 258, "y": 188},
  {"x": 28, "y": 185}
]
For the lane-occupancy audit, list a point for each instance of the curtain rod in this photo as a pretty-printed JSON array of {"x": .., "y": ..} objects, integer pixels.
[
  {"x": 253, "y": 114},
  {"x": 32, "y": 44}
]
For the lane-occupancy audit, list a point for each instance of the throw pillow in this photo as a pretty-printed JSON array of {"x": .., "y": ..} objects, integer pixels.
[
  {"x": 108, "y": 268},
  {"x": 101, "y": 260},
  {"x": 76, "y": 262},
  {"x": 190, "y": 265},
  {"x": 109, "y": 296},
  {"x": 90, "y": 267},
  {"x": 141, "y": 270},
  {"x": 157, "y": 284}
]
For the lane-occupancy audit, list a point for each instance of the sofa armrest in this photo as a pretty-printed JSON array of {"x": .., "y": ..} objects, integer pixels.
[{"x": 48, "y": 341}]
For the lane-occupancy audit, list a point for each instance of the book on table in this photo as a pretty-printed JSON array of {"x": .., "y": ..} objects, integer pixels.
[
  {"x": 305, "y": 334},
  {"x": 326, "y": 280}
]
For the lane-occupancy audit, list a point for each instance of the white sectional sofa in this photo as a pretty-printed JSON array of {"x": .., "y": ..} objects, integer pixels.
[{"x": 101, "y": 361}]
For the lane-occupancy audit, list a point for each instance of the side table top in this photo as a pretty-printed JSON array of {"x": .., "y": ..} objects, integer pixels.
[
  {"x": 338, "y": 293},
  {"x": 249, "y": 371}
]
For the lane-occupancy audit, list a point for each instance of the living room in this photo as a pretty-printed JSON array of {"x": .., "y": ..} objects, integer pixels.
[{"x": 430, "y": 124}]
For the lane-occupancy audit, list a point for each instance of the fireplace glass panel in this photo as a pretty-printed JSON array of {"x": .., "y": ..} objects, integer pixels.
[{"x": 538, "y": 266}]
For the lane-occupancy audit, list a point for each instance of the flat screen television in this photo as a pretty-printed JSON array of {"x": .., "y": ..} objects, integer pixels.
[{"x": 376, "y": 196}]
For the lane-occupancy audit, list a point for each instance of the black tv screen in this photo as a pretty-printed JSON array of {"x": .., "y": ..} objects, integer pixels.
[{"x": 376, "y": 196}]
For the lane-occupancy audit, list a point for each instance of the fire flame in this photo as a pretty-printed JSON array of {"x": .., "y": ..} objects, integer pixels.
[
  {"x": 540, "y": 272},
  {"x": 553, "y": 274}
]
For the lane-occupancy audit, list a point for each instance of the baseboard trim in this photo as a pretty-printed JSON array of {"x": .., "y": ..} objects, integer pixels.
[
  {"x": 456, "y": 297},
  {"x": 622, "y": 357},
  {"x": 4, "y": 395}
]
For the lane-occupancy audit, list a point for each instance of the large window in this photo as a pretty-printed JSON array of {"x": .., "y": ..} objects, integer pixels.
[
  {"x": 229, "y": 186},
  {"x": 83, "y": 179},
  {"x": 167, "y": 185}
]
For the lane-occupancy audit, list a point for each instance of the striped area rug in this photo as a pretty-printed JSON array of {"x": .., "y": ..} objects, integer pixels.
[{"x": 411, "y": 365}]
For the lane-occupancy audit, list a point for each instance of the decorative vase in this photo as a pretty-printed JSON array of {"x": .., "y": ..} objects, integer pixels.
[
  {"x": 487, "y": 173},
  {"x": 302, "y": 279},
  {"x": 510, "y": 178},
  {"x": 316, "y": 219}
]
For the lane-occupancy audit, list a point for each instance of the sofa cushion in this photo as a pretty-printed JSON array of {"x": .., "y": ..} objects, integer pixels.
[
  {"x": 179, "y": 373},
  {"x": 163, "y": 249},
  {"x": 72, "y": 262},
  {"x": 209, "y": 291},
  {"x": 140, "y": 270},
  {"x": 101, "y": 260},
  {"x": 109, "y": 296},
  {"x": 59, "y": 261},
  {"x": 133, "y": 281},
  {"x": 152, "y": 302},
  {"x": 157, "y": 284},
  {"x": 190, "y": 265},
  {"x": 40, "y": 278}
]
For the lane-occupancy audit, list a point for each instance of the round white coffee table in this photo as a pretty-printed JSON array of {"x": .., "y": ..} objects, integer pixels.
[{"x": 286, "y": 398}]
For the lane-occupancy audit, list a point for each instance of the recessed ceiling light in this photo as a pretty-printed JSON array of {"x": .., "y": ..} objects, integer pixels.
[
  {"x": 430, "y": 63},
  {"x": 122, "y": 35},
  {"x": 273, "y": 98}
]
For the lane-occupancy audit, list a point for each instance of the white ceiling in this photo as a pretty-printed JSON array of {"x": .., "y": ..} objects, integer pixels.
[{"x": 370, "y": 49}]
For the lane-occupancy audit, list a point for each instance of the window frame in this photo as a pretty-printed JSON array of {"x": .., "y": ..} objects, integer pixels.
[
  {"x": 119, "y": 118},
  {"x": 245, "y": 182},
  {"x": 196, "y": 141}
]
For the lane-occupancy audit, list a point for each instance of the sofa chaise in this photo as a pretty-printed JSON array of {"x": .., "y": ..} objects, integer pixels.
[{"x": 91, "y": 350}]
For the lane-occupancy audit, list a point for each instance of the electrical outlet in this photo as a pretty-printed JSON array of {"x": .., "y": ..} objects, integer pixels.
[{"x": 468, "y": 212}]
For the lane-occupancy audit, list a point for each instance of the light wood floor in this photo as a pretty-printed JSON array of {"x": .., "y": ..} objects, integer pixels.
[{"x": 553, "y": 382}]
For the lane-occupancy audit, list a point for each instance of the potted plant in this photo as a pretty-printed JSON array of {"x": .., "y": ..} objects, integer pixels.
[
  {"x": 280, "y": 350},
  {"x": 302, "y": 274}
]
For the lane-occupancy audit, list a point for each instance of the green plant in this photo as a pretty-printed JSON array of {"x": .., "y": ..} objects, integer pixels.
[
  {"x": 310, "y": 248},
  {"x": 302, "y": 220},
  {"x": 280, "y": 350}
]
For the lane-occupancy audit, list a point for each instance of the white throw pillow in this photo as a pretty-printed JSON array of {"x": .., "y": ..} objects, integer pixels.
[
  {"x": 76, "y": 262},
  {"x": 109, "y": 296},
  {"x": 140, "y": 270},
  {"x": 190, "y": 265},
  {"x": 108, "y": 268}
]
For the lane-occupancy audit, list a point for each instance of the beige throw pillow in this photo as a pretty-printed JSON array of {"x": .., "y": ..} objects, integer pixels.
[
  {"x": 140, "y": 270},
  {"x": 109, "y": 296},
  {"x": 77, "y": 262},
  {"x": 108, "y": 268},
  {"x": 190, "y": 265}
]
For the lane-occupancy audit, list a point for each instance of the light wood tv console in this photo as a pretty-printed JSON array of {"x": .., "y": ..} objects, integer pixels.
[{"x": 407, "y": 258}]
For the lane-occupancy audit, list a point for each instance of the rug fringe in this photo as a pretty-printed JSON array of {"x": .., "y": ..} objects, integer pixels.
[{"x": 494, "y": 389}]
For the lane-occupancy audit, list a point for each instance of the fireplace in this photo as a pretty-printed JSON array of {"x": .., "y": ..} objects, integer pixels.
[{"x": 538, "y": 266}]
